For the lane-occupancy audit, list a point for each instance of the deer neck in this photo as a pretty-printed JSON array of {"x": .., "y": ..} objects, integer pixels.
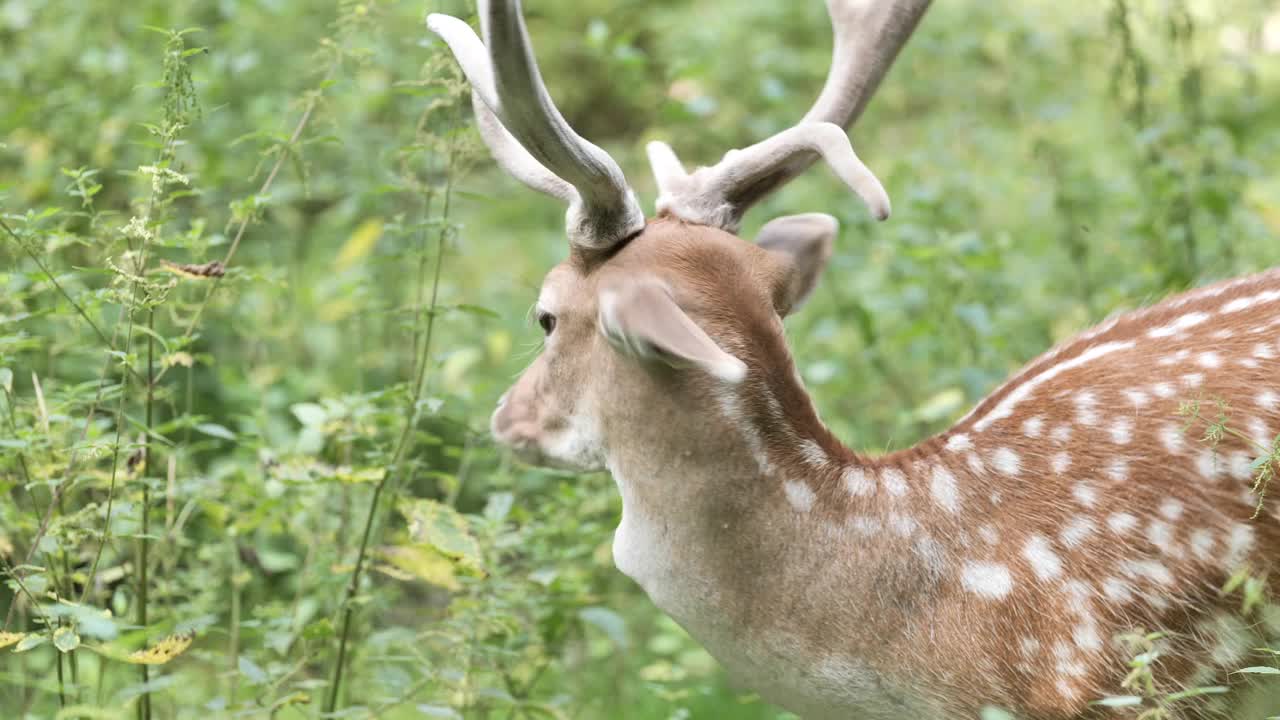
[{"x": 761, "y": 522}]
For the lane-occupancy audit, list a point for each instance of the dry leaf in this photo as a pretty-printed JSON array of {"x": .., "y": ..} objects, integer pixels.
[
  {"x": 162, "y": 652},
  {"x": 214, "y": 269},
  {"x": 8, "y": 638}
]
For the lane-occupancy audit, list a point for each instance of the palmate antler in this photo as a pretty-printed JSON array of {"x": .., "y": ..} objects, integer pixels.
[{"x": 531, "y": 140}]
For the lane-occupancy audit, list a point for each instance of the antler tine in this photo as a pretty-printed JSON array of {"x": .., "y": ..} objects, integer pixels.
[
  {"x": 506, "y": 150},
  {"x": 868, "y": 36},
  {"x": 609, "y": 209},
  {"x": 526, "y": 132}
]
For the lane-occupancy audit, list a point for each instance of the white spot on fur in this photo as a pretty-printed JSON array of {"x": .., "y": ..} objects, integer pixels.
[
  {"x": 989, "y": 534},
  {"x": 1086, "y": 636},
  {"x": 1241, "y": 465},
  {"x": 1202, "y": 543},
  {"x": 731, "y": 405},
  {"x": 1045, "y": 563},
  {"x": 813, "y": 453},
  {"x": 932, "y": 553},
  {"x": 945, "y": 492},
  {"x": 1259, "y": 432},
  {"x": 1193, "y": 380},
  {"x": 1024, "y": 389},
  {"x": 1267, "y": 399},
  {"x": 902, "y": 525},
  {"x": 1061, "y": 433},
  {"x": 1121, "y": 522},
  {"x": 1164, "y": 390},
  {"x": 959, "y": 443},
  {"x": 1209, "y": 360},
  {"x": 1060, "y": 462},
  {"x": 1122, "y": 431},
  {"x": 1244, "y": 303},
  {"x": 1117, "y": 590},
  {"x": 1033, "y": 427},
  {"x": 1077, "y": 531},
  {"x": 1239, "y": 543},
  {"x": 1084, "y": 494},
  {"x": 894, "y": 481},
  {"x": 1149, "y": 569},
  {"x": 1171, "y": 509},
  {"x": 1185, "y": 322},
  {"x": 1262, "y": 351},
  {"x": 857, "y": 482},
  {"x": 799, "y": 495},
  {"x": 1161, "y": 535},
  {"x": 987, "y": 579},
  {"x": 1118, "y": 469},
  {"x": 1137, "y": 397},
  {"x": 975, "y": 463},
  {"x": 1086, "y": 408},
  {"x": 1006, "y": 461},
  {"x": 1171, "y": 437},
  {"x": 865, "y": 525},
  {"x": 1207, "y": 464}
]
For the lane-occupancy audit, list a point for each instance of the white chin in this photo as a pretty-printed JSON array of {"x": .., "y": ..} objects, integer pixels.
[{"x": 533, "y": 454}]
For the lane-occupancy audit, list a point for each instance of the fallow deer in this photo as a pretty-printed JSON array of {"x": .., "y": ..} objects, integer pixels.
[{"x": 995, "y": 563}]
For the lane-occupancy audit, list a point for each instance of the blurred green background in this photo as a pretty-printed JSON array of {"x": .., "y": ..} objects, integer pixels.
[{"x": 1050, "y": 163}]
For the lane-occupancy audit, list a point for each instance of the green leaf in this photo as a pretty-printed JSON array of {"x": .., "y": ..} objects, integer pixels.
[
  {"x": 216, "y": 430},
  {"x": 29, "y": 642},
  {"x": 309, "y": 414},
  {"x": 422, "y": 562},
  {"x": 66, "y": 639},
  {"x": 477, "y": 310},
  {"x": 250, "y": 671},
  {"x": 1259, "y": 670},
  {"x": 608, "y": 621},
  {"x": 439, "y": 711},
  {"x": 361, "y": 475},
  {"x": 444, "y": 529}
]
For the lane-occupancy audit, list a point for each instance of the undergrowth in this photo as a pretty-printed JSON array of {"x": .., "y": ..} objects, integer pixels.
[{"x": 260, "y": 286}]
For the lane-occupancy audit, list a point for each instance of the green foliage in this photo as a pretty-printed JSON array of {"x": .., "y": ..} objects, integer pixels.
[{"x": 260, "y": 286}]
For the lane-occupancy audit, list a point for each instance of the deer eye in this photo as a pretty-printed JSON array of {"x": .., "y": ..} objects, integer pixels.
[{"x": 547, "y": 321}]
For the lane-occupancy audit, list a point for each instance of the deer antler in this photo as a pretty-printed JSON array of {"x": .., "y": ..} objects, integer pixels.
[
  {"x": 527, "y": 134},
  {"x": 868, "y": 36}
]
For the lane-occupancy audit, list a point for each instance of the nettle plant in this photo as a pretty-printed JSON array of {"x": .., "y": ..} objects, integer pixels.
[
  {"x": 143, "y": 530},
  {"x": 1007, "y": 560}
]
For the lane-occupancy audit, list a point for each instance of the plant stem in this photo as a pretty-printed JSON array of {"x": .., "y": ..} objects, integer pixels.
[
  {"x": 402, "y": 445},
  {"x": 144, "y": 543}
]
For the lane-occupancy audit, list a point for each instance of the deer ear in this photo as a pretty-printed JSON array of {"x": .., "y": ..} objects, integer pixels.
[
  {"x": 640, "y": 317},
  {"x": 803, "y": 243}
]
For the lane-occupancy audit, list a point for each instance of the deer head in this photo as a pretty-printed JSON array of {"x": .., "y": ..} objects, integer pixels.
[{"x": 676, "y": 307}]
